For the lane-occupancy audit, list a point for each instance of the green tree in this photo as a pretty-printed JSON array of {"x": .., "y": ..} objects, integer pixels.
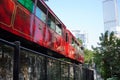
[
  {"x": 88, "y": 57},
  {"x": 80, "y": 40},
  {"x": 88, "y": 54},
  {"x": 107, "y": 55}
]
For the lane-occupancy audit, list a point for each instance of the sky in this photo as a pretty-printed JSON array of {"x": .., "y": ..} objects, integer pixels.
[{"x": 83, "y": 15}]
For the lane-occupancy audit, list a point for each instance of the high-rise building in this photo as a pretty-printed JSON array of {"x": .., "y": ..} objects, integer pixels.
[
  {"x": 81, "y": 35},
  {"x": 111, "y": 16}
]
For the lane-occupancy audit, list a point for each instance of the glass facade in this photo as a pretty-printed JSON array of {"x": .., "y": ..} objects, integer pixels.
[
  {"x": 110, "y": 15},
  {"x": 119, "y": 11}
]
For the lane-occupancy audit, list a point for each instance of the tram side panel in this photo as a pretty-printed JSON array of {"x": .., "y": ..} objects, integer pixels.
[
  {"x": 6, "y": 15},
  {"x": 23, "y": 20},
  {"x": 25, "y": 23}
]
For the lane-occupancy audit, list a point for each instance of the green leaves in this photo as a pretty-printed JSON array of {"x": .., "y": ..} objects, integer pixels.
[
  {"x": 88, "y": 56},
  {"x": 107, "y": 56}
]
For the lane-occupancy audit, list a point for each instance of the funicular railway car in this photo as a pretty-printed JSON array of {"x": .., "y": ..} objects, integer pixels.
[
  {"x": 32, "y": 21},
  {"x": 44, "y": 40}
]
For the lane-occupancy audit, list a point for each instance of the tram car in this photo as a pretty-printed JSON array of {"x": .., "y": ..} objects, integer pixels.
[{"x": 33, "y": 21}]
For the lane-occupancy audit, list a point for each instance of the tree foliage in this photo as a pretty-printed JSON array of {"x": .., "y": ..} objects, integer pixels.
[
  {"x": 80, "y": 40},
  {"x": 107, "y": 55},
  {"x": 88, "y": 57}
]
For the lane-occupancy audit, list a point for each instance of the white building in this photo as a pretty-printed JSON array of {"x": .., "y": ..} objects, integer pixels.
[
  {"x": 111, "y": 16},
  {"x": 81, "y": 35}
]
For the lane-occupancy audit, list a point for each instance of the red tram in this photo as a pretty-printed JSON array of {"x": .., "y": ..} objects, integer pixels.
[{"x": 34, "y": 21}]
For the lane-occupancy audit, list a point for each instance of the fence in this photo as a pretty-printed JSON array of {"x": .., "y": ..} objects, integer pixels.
[{"x": 19, "y": 63}]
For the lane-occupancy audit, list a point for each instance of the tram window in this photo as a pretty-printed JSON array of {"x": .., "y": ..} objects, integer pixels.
[
  {"x": 51, "y": 24},
  {"x": 58, "y": 30},
  {"x": 27, "y": 4},
  {"x": 66, "y": 37},
  {"x": 73, "y": 42},
  {"x": 41, "y": 15},
  {"x": 77, "y": 45}
]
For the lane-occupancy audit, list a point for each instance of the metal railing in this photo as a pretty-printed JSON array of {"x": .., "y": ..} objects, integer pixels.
[{"x": 19, "y": 63}]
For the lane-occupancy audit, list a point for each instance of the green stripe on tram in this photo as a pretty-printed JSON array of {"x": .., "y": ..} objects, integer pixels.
[{"x": 27, "y": 4}]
